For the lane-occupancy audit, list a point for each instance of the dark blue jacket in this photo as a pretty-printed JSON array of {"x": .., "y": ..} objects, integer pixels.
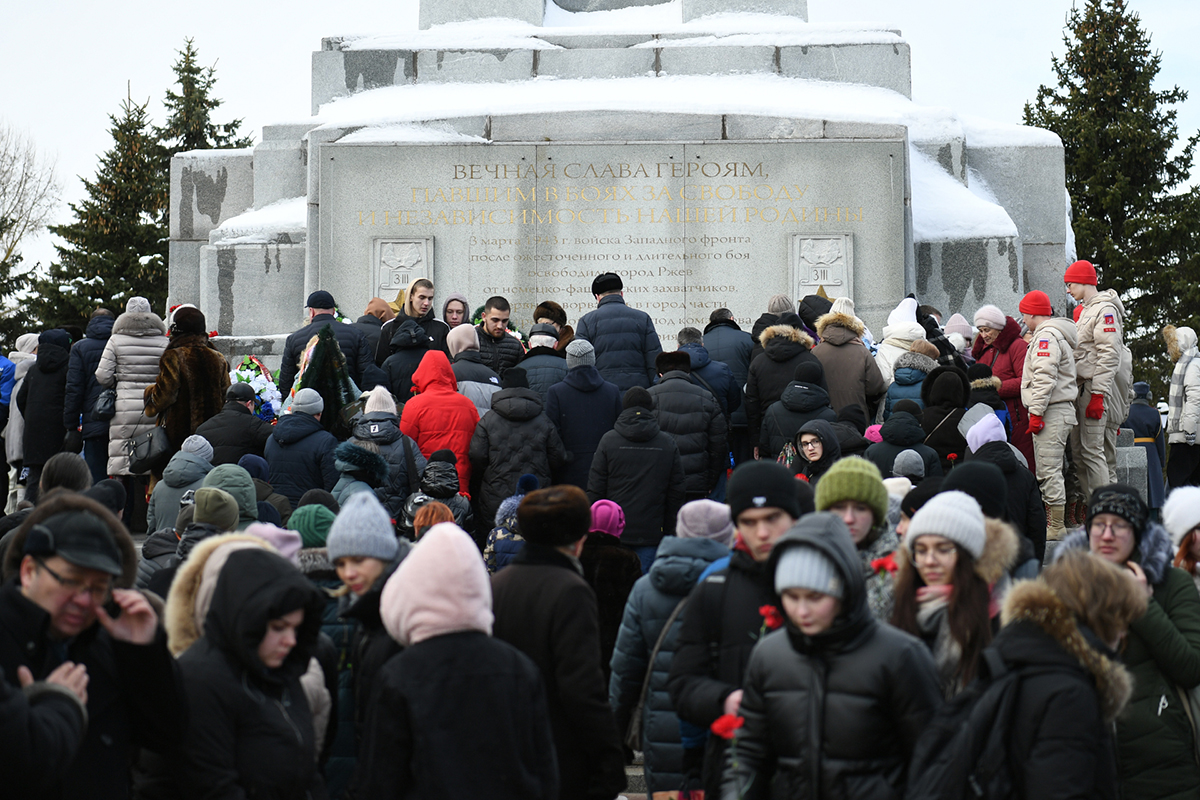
[
  {"x": 625, "y": 341},
  {"x": 677, "y": 568},
  {"x": 82, "y": 386},
  {"x": 350, "y": 339},
  {"x": 300, "y": 455},
  {"x": 718, "y": 375},
  {"x": 1148, "y": 434},
  {"x": 906, "y": 386},
  {"x": 544, "y": 367},
  {"x": 732, "y": 346},
  {"x": 584, "y": 407}
]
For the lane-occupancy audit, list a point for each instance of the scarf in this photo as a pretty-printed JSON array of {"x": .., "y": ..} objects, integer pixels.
[{"x": 934, "y": 623}]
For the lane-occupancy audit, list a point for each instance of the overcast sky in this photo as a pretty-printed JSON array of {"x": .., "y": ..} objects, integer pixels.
[{"x": 65, "y": 66}]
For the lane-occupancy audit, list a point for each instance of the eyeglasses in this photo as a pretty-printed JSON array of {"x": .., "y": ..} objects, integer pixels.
[
  {"x": 1117, "y": 528},
  {"x": 815, "y": 443},
  {"x": 98, "y": 593}
]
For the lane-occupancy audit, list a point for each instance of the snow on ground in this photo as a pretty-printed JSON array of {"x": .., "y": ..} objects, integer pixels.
[
  {"x": 945, "y": 210},
  {"x": 263, "y": 225}
]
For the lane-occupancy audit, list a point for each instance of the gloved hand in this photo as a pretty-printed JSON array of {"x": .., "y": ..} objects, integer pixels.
[
  {"x": 1095, "y": 408},
  {"x": 1036, "y": 425},
  {"x": 73, "y": 442}
]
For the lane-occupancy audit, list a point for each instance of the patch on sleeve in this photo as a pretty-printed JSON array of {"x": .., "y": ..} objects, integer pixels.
[
  {"x": 1043, "y": 344},
  {"x": 1108, "y": 319},
  {"x": 1110, "y": 330}
]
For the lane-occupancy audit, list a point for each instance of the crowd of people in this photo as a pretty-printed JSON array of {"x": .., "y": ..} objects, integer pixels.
[{"x": 436, "y": 556}]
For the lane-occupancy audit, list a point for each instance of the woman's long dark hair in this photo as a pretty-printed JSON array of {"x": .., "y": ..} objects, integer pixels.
[{"x": 967, "y": 611}]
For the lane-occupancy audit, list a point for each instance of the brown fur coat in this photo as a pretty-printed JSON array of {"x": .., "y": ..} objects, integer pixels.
[{"x": 190, "y": 388}]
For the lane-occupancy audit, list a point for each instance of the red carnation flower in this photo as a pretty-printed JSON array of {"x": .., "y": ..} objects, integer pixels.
[
  {"x": 887, "y": 563},
  {"x": 772, "y": 619},
  {"x": 726, "y": 725}
]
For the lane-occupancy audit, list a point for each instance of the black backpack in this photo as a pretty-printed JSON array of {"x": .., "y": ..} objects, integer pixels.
[{"x": 964, "y": 751}]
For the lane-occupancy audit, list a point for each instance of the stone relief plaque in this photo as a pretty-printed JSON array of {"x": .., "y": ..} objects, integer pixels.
[
  {"x": 823, "y": 261},
  {"x": 396, "y": 262}
]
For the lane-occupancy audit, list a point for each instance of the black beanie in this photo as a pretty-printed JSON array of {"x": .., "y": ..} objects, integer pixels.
[
  {"x": 809, "y": 371},
  {"x": 555, "y": 517},
  {"x": 1124, "y": 501},
  {"x": 985, "y": 482},
  {"x": 908, "y": 406},
  {"x": 515, "y": 378},
  {"x": 979, "y": 372},
  {"x": 637, "y": 397},
  {"x": 763, "y": 484},
  {"x": 920, "y": 494}
]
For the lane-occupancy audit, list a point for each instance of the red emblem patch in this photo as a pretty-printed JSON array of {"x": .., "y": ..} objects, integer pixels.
[
  {"x": 1044, "y": 344},
  {"x": 1108, "y": 319},
  {"x": 1110, "y": 330}
]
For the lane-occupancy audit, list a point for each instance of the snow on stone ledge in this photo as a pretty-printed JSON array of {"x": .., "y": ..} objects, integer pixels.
[
  {"x": 225, "y": 152},
  {"x": 945, "y": 210},
  {"x": 983, "y": 132},
  {"x": 264, "y": 225},
  {"x": 407, "y": 133}
]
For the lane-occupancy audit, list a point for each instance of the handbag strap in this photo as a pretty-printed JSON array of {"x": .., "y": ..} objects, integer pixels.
[
  {"x": 410, "y": 466},
  {"x": 662, "y": 636},
  {"x": 935, "y": 428}
]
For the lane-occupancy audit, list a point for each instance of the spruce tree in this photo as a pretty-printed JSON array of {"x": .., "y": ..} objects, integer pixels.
[
  {"x": 116, "y": 247},
  {"x": 1130, "y": 218},
  {"x": 15, "y": 318}
]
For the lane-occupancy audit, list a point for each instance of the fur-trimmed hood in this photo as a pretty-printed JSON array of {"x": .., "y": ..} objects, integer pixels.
[
  {"x": 508, "y": 508},
  {"x": 982, "y": 384},
  {"x": 129, "y": 554},
  {"x": 314, "y": 563},
  {"x": 1179, "y": 341},
  {"x": 1153, "y": 554},
  {"x": 917, "y": 361},
  {"x": 351, "y": 459},
  {"x": 838, "y": 320},
  {"x": 785, "y": 332},
  {"x": 139, "y": 324},
  {"x": 1036, "y": 603}
]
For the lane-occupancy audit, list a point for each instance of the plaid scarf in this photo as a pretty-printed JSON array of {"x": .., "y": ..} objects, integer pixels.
[{"x": 1176, "y": 397}]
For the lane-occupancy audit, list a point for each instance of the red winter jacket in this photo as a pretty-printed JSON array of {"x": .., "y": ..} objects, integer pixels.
[
  {"x": 1006, "y": 357},
  {"x": 438, "y": 417}
]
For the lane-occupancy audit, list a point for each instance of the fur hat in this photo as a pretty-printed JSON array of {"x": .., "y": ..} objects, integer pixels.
[
  {"x": 990, "y": 316},
  {"x": 607, "y": 517},
  {"x": 762, "y": 484},
  {"x": 854, "y": 479},
  {"x": 198, "y": 446},
  {"x": 954, "y": 516},
  {"x": 607, "y": 282},
  {"x": 1181, "y": 512},
  {"x": 548, "y": 309},
  {"x": 805, "y": 567},
  {"x": 380, "y": 399},
  {"x": 215, "y": 507},
  {"x": 924, "y": 347},
  {"x": 308, "y": 401},
  {"x": 188, "y": 319},
  {"x": 555, "y": 517},
  {"x": 1124, "y": 501},
  {"x": 137, "y": 305},
  {"x": 580, "y": 353},
  {"x": 705, "y": 519},
  {"x": 668, "y": 361},
  {"x": 362, "y": 528}
]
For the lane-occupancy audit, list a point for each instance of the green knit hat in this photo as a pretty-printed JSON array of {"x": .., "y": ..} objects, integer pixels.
[
  {"x": 855, "y": 479},
  {"x": 313, "y": 523}
]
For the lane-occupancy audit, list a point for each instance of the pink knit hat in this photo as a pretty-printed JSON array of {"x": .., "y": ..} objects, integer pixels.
[
  {"x": 607, "y": 517},
  {"x": 705, "y": 519},
  {"x": 958, "y": 324},
  {"x": 873, "y": 434},
  {"x": 288, "y": 543}
]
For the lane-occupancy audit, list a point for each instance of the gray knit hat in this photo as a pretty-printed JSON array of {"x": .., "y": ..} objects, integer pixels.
[
  {"x": 580, "y": 353},
  {"x": 954, "y": 516},
  {"x": 137, "y": 305},
  {"x": 908, "y": 464},
  {"x": 308, "y": 401},
  {"x": 363, "y": 529},
  {"x": 704, "y": 519},
  {"x": 198, "y": 446},
  {"x": 804, "y": 567}
]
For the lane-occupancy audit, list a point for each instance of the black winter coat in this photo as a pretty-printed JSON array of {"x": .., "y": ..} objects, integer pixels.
[
  {"x": 135, "y": 697},
  {"x": 902, "y": 432},
  {"x": 383, "y": 430},
  {"x": 638, "y": 467},
  {"x": 251, "y": 732},
  {"x": 611, "y": 569},
  {"x": 349, "y": 338},
  {"x": 625, "y": 341},
  {"x": 41, "y": 400},
  {"x": 690, "y": 415},
  {"x": 784, "y": 349},
  {"x": 235, "y": 432},
  {"x": 674, "y": 573},
  {"x": 715, "y": 376},
  {"x": 545, "y": 609},
  {"x": 453, "y": 696},
  {"x": 41, "y": 728},
  {"x": 833, "y": 715},
  {"x": 439, "y": 481},
  {"x": 371, "y": 326},
  {"x": 1025, "y": 509},
  {"x": 831, "y": 451},
  {"x": 300, "y": 455},
  {"x": 763, "y": 322},
  {"x": 732, "y": 346},
  {"x": 406, "y": 347},
  {"x": 944, "y": 393},
  {"x": 499, "y": 353},
  {"x": 514, "y": 438},
  {"x": 799, "y": 403},
  {"x": 544, "y": 367},
  {"x": 82, "y": 386},
  {"x": 584, "y": 407},
  {"x": 435, "y": 331}
]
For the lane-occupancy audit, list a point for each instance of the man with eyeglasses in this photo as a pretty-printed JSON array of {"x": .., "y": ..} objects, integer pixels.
[{"x": 62, "y": 605}]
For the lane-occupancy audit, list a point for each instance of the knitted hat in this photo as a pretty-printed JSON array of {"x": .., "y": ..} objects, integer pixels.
[
  {"x": 809, "y": 371},
  {"x": 984, "y": 482},
  {"x": 842, "y": 305},
  {"x": 362, "y": 528},
  {"x": 555, "y": 517},
  {"x": 198, "y": 446},
  {"x": 580, "y": 353},
  {"x": 958, "y": 324},
  {"x": 954, "y": 516},
  {"x": 607, "y": 282},
  {"x": 804, "y": 567},
  {"x": 1036, "y": 303},
  {"x": 286, "y": 542},
  {"x": 921, "y": 494},
  {"x": 854, "y": 479},
  {"x": 704, "y": 519},
  {"x": 313, "y": 523},
  {"x": 990, "y": 316},
  {"x": 269, "y": 514},
  {"x": 779, "y": 303},
  {"x": 460, "y": 338},
  {"x": 380, "y": 399},
  {"x": 445, "y": 455},
  {"x": 873, "y": 433},
  {"x": 215, "y": 507},
  {"x": 762, "y": 484},
  {"x": 308, "y": 401},
  {"x": 637, "y": 397},
  {"x": 137, "y": 305},
  {"x": 1081, "y": 272},
  {"x": 908, "y": 464},
  {"x": 978, "y": 372},
  {"x": 1124, "y": 501},
  {"x": 321, "y": 498},
  {"x": 988, "y": 429},
  {"x": 515, "y": 378},
  {"x": 607, "y": 517},
  {"x": 1181, "y": 512},
  {"x": 320, "y": 299}
]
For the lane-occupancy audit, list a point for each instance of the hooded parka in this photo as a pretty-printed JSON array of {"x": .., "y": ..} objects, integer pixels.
[
  {"x": 945, "y": 392},
  {"x": 130, "y": 363},
  {"x": 850, "y": 370},
  {"x": 784, "y": 349},
  {"x": 901, "y": 432},
  {"x": 438, "y": 417},
  {"x": 800, "y": 403},
  {"x": 300, "y": 455},
  {"x": 407, "y": 346},
  {"x": 41, "y": 399},
  {"x": 584, "y": 407}
]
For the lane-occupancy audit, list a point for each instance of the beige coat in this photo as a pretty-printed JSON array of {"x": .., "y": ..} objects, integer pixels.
[
  {"x": 130, "y": 363},
  {"x": 1101, "y": 355},
  {"x": 1049, "y": 375}
]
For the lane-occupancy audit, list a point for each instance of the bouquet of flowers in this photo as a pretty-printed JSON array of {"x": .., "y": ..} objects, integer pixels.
[{"x": 267, "y": 400}]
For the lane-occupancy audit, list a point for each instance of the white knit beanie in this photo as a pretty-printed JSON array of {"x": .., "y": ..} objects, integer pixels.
[
  {"x": 954, "y": 516},
  {"x": 990, "y": 316},
  {"x": 380, "y": 399},
  {"x": 843, "y": 305},
  {"x": 1181, "y": 512}
]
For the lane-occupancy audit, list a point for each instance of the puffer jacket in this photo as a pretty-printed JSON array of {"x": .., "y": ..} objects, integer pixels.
[
  {"x": 40, "y": 401},
  {"x": 584, "y": 407},
  {"x": 82, "y": 387},
  {"x": 190, "y": 388},
  {"x": 1155, "y": 743},
  {"x": 361, "y": 471},
  {"x": 851, "y": 373},
  {"x": 439, "y": 482},
  {"x": 183, "y": 472},
  {"x": 1049, "y": 375},
  {"x": 438, "y": 417},
  {"x": 383, "y": 430},
  {"x": 908, "y": 373},
  {"x": 1007, "y": 356},
  {"x": 625, "y": 341},
  {"x": 835, "y": 715},
  {"x": 945, "y": 394},
  {"x": 691, "y": 416},
  {"x": 732, "y": 346},
  {"x": 406, "y": 347},
  {"x": 799, "y": 403},
  {"x": 897, "y": 341},
  {"x": 544, "y": 367},
  {"x": 1183, "y": 415},
  {"x": 476, "y": 380},
  {"x": 434, "y": 328},
  {"x": 902, "y": 432},
  {"x": 718, "y": 376},
  {"x": 499, "y": 353},
  {"x": 300, "y": 455},
  {"x": 505, "y": 540},
  {"x": 130, "y": 363},
  {"x": 676, "y": 568},
  {"x": 784, "y": 348},
  {"x": 611, "y": 569},
  {"x": 14, "y": 431},
  {"x": 1101, "y": 356},
  {"x": 1024, "y": 499},
  {"x": 350, "y": 340},
  {"x": 514, "y": 438},
  {"x": 235, "y": 432},
  {"x": 638, "y": 467}
]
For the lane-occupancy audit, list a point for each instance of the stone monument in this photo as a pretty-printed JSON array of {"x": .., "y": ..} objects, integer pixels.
[{"x": 713, "y": 162}]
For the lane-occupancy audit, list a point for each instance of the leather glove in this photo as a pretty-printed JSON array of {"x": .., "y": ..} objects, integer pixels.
[
  {"x": 73, "y": 442},
  {"x": 1036, "y": 425},
  {"x": 1095, "y": 407}
]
